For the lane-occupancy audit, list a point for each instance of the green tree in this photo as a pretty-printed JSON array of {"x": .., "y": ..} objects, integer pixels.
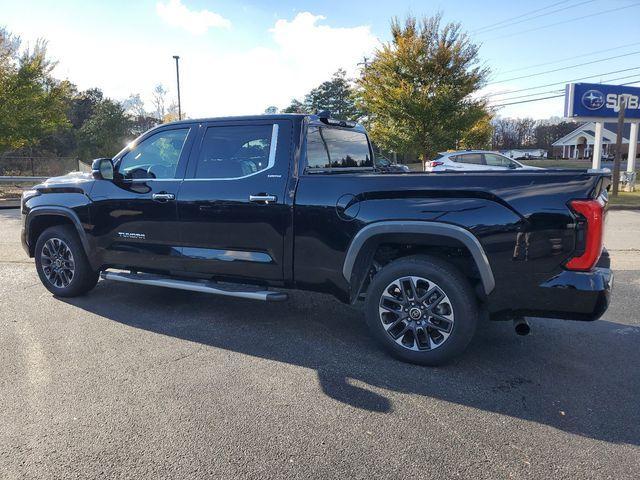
[
  {"x": 33, "y": 105},
  {"x": 417, "y": 91},
  {"x": 83, "y": 105},
  {"x": 80, "y": 106},
  {"x": 296, "y": 106},
  {"x": 106, "y": 132},
  {"x": 336, "y": 95},
  {"x": 478, "y": 136}
]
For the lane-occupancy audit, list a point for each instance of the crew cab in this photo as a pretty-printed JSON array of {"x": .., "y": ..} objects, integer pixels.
[{"x": 252, "y": 206}]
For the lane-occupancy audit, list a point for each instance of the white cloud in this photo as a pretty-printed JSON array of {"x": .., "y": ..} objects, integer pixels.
[
  {"x": 216, "y": 78},
  {"x": 305, "y": 53},
  {"x": 176, "y": 14}
]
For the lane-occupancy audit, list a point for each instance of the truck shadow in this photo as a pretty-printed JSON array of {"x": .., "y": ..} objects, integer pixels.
[{"x": 576, "y": 377}]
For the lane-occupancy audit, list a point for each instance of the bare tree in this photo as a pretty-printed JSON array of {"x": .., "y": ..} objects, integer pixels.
[
  {"x": 526, "y": 132},
  {"x": 134, "y": 106},
  {"x": 513, "y": 133},
  {"x": 159, "y": 100}
]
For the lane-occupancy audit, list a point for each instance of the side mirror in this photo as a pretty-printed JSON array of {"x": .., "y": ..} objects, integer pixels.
[{"x": 102, "y": 169}]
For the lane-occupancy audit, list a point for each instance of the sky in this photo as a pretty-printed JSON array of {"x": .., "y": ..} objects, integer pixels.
[{"x": 239, "y": 57}]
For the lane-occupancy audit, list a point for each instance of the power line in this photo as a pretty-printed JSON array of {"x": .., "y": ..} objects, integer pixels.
[
  {"x": 529, "y": 95},
  {"x": 537, "y": 16},
  {"x": 571, "y": 58},
  {"x": 566, "y": 67},
  {"x": 527, "y": 101},
  {"x": 519, "y": 16},
  {"x": 558, "y": 91},
  {"x": 564, "y": 21},
  {"x": 547, "y": 98},
  {"x": 562, "y": 82}
]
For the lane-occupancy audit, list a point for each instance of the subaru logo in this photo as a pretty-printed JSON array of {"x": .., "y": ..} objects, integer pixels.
[{"x": 593, "y": 99}]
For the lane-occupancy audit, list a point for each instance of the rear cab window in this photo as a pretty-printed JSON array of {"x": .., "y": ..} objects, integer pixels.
[{"x": 331, "y": 148}]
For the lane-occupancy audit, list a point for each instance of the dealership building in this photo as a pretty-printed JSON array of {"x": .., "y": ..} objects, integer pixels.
[{"x": 579, "y": 143}]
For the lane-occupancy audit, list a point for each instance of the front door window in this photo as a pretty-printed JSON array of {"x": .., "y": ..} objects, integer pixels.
[{"x": 156, "y": 157}]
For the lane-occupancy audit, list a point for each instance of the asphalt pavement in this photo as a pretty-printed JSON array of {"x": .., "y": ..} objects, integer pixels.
[{"x": 134, "y": 382}]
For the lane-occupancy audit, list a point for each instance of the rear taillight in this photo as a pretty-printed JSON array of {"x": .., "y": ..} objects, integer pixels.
[
  {"x": 590, "y": 233},
  {"x": 433, "y": 164}
]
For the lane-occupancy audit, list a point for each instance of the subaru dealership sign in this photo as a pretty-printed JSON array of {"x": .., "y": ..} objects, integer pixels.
[{"x": 595, "y": 100}]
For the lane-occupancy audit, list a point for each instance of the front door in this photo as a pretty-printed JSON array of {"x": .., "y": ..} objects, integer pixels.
[
  {"x": 135, "y": 216},
  {"x": 233, "y": 205}
]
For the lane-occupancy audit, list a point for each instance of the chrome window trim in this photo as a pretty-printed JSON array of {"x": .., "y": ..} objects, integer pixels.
[
  {"x": 144, "y": 180},
  {"x": 270, "y": 164}
]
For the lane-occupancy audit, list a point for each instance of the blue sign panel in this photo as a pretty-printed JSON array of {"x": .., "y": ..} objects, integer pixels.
[{"x": 595, "y": 100}]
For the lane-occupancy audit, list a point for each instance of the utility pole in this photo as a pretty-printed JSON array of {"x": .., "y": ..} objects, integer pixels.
[
  {"x": 177, "y": 58},
  {"x": 364, "y": 62},
  {"x": 622, "y": 106}
]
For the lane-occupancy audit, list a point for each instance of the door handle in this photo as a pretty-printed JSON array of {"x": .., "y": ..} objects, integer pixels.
[
  {"x": 163, "y": 197},
  {"x": 263, "y": 198}
]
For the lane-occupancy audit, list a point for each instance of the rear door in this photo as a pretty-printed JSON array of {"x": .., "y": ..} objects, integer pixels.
[
  {"x": 232, "y": 206},
  {"x": 470, "y": 161},
  {"x": 135, "y": 216}
]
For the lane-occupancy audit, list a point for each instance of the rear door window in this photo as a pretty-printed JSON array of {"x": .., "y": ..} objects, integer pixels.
[
  {"x": 236, "y": 151},
  {"x": 470, "y": 158}
]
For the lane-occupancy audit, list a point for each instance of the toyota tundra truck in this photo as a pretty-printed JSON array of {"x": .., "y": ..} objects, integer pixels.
[{"x": 253, "y": 206}]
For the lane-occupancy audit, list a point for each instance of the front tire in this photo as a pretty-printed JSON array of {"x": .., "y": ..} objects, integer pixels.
[
  {"x": 422, "y": 310},
  {"x": 62, "y": 264}
]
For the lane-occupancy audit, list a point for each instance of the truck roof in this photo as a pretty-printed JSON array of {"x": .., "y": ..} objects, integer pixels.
[{"x": 313, "y": 119}]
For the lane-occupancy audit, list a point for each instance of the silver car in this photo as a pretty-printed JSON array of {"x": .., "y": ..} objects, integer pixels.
[{"x": 472, "y": 160}]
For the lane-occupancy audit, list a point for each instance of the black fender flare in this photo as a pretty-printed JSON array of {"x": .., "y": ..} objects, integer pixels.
[
  {"x": 455, "y": 232},
  {"x": 62, "y": 212}
]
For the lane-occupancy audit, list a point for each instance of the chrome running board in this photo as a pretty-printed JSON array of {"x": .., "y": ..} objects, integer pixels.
[{"x": 204, "y": 286}]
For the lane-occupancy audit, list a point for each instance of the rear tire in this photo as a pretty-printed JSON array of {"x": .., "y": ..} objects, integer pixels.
[
  {"x": 422, "y": 310},
  {"x": 62, "y": 264}
]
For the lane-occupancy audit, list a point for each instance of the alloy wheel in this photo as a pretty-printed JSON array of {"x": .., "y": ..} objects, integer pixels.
[
  {"x": 57, "y": 263},
  {"x": 416, "y": 313}
]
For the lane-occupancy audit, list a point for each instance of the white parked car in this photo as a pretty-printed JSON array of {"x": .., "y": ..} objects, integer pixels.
[{"x": 471, "y": 160}]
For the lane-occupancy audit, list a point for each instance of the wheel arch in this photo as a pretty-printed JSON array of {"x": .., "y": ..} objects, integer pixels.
[
  {"x": 363, "y": 247},
  {"x": 41, "y": 218}
]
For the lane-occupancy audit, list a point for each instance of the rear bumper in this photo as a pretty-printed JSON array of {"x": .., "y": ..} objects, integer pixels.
[
  {"x": 578, "y": 295},
  {"x": 581, "y": 295},
  {"x": 567, "y": 295}
]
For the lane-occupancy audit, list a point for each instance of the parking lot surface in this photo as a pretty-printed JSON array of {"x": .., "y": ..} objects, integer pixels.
[{"x": 144, "y": 382}]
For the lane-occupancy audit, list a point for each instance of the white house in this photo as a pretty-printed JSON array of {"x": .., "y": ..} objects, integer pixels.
[{"x": 579, "y": 143}]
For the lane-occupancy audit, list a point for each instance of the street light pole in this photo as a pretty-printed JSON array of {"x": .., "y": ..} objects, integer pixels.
[{"x": 177, "y": 58}]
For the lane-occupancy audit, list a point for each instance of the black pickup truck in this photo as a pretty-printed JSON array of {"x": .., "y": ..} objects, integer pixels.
[{"x": 239, "y": 206}]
